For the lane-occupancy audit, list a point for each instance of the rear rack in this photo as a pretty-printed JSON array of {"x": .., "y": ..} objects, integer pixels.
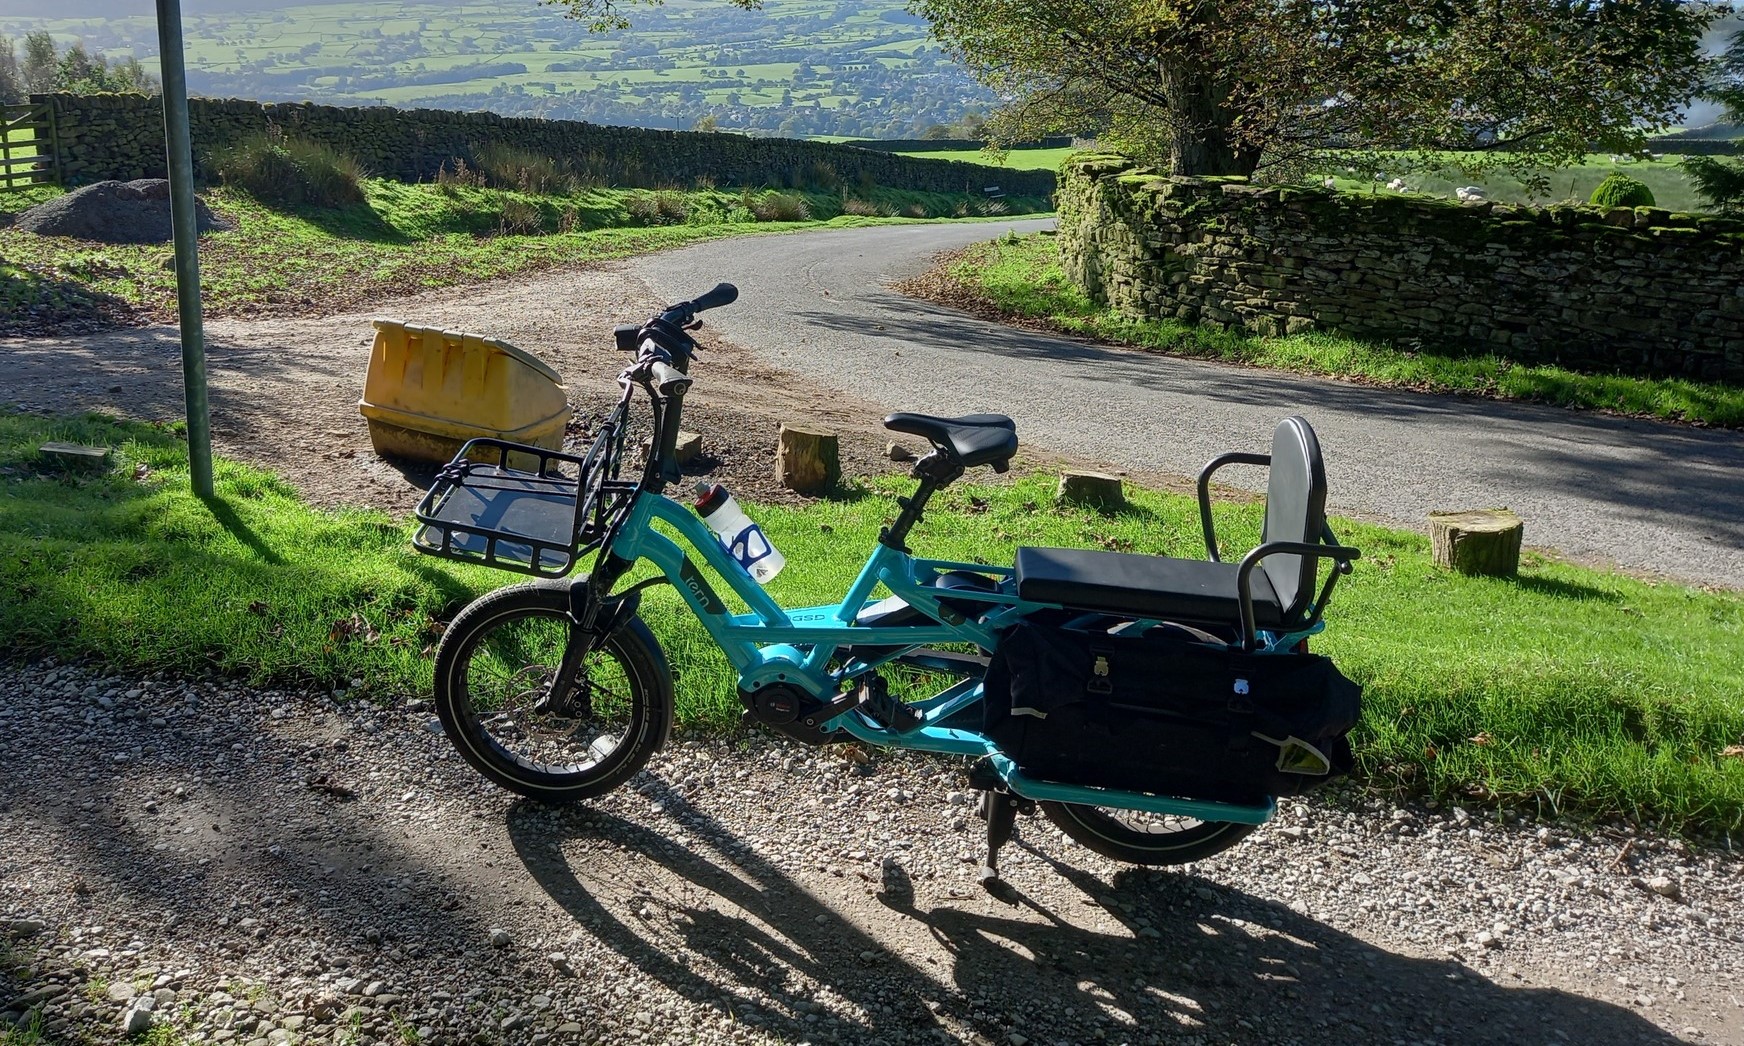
[{"x": 521, "y": 508}]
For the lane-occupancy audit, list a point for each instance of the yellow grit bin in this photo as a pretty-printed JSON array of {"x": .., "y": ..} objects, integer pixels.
[{"x": 430, "y": 390}]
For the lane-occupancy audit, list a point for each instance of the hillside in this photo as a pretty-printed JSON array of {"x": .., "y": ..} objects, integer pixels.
[{"x": 797, "y": 67}]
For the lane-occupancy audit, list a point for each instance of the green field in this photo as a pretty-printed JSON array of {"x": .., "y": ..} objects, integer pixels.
[
  {"x": 1671, "y": 187},
  {"x": 1016, "y": 159}
]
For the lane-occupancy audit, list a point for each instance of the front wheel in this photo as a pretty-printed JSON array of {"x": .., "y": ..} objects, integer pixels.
[
  {"x": 1143, "y": 838},
  {"x": 495, "y": 669}
]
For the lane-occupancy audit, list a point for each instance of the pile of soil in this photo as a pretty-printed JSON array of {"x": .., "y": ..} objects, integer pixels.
[{"x": 114, "y": 212}]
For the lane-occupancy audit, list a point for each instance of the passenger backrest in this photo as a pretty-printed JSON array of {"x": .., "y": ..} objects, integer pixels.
[{"x": 1295, "y": 511}]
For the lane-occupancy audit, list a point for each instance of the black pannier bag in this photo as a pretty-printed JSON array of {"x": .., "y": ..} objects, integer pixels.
[{"x": 1165, "y": 714}]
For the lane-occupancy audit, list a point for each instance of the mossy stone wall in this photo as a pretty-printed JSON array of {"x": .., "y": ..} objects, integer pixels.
[
  {"x": 1639, "y": 291},
  {"x": 121, "y": 136}
]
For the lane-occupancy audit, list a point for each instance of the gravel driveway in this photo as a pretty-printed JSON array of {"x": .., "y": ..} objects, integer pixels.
[
  {"x": 286, "y": 867},
  {"x": 1648, "y": 496}
]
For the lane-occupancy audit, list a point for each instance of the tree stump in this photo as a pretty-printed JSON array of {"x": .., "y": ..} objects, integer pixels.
[
  {"x": 807, "y": 460},
  {"x": 1479, "y": 541},
  {"x": 1093, "y": 489}
]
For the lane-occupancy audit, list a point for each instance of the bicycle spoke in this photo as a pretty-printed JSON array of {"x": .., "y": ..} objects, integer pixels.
[{"x": 509, "y": 683}]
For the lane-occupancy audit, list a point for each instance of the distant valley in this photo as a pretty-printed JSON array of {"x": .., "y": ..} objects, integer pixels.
[{"x": 797, "y": 67}]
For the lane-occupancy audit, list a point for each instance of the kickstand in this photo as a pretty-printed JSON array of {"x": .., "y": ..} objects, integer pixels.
[{"x": 1001, "y": 810}]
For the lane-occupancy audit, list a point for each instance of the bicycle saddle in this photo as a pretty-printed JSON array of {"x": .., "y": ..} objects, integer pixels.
[{"x": 974, "y": 439}]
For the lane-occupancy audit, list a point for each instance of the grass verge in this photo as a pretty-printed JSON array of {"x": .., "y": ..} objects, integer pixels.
[
  {"x": 406, "y": 238},
  {"x": 1019, "y": 278},
  {"x": 1567, "y": 689}
]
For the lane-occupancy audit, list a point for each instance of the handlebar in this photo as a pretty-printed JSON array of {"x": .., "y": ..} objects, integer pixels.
[
  {"x": 723, "y": 294},
  {"x": 663, "y": 348}
]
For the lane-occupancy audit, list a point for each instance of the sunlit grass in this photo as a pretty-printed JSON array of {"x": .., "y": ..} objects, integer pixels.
[{"x": 1565, "y": 690}]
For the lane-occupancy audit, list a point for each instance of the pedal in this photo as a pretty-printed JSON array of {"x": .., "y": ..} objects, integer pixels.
[{"x": 892, "y": 713}]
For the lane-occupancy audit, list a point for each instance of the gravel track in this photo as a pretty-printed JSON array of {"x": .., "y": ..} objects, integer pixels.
[
  {"x": 1647, "y": 496},
  {"x": 278, "y": 866}
]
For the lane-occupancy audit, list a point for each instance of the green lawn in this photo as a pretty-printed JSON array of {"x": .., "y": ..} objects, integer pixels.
[
  {"x": 1020, "y": 278},
  {"x": 406, "y": 238},
  {"x": 1564, "y": 691}
]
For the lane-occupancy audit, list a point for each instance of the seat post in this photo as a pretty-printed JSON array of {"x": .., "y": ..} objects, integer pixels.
[{"x": 935, "y": 470}]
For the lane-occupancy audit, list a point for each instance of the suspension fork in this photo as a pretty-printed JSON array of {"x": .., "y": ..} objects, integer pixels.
[{"x": 593, "y": 616}]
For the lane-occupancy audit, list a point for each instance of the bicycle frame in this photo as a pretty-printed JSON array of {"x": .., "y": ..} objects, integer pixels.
[{"x": 774, "y": 644}]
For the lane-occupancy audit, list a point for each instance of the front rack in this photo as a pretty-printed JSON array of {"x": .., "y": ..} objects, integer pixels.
[{"x": 522, "y": 508}]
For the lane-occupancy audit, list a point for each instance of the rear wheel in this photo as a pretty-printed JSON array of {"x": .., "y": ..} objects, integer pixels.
[
  {"x": 495, "y": 669},
  {"x": 1138, "y": 837}
]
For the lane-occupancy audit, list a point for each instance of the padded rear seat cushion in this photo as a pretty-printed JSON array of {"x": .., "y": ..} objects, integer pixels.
[{"x": 1143, "y": 586}]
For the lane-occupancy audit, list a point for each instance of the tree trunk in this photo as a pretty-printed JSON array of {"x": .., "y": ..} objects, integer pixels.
[{"x": 1203, "y": 139}]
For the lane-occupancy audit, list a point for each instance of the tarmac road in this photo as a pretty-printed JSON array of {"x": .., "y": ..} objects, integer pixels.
[{"x": 1647, "y": 496}]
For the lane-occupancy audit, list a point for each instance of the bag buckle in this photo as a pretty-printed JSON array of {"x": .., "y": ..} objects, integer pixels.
[
  {"x": 1296, "y": 756},
  {"x": 1099, "y": 682}
]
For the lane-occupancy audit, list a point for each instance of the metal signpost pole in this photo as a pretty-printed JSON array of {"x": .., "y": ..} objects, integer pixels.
[{"x": 181, "y": 164}]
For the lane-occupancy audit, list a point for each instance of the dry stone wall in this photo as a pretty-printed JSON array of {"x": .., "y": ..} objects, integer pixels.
[
  {"x": 121, "y": 136},
  {"x": 1640, "y": 291}
]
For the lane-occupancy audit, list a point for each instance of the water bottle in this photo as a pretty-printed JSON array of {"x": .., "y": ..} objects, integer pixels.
[{"x": 738, "y": 534}]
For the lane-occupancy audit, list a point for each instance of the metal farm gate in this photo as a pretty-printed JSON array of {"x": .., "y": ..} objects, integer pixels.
[{"x": 27, "y": 145}]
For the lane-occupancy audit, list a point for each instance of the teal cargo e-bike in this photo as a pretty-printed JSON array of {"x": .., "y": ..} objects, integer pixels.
[{"x": 1152, "y": 708}]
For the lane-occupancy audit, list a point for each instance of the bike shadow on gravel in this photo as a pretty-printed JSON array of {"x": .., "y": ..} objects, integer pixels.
[
  {"x": 1192, "y": 954},
  {"x": 1174, "y": 954},
  {"x": 677, "y": 933}
]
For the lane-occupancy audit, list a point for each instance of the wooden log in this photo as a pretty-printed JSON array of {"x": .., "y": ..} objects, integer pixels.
[
  {"x": 1477, "y": 541},
  {"x": 75, "y": 454},
  {"x": 807, "y": 460},
  {"x": 688, "y": 447},
  {"x": 1092, "y": 489}
]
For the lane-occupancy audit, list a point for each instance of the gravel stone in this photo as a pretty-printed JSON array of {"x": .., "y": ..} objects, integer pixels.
[{"x": 137, "y": 1019}]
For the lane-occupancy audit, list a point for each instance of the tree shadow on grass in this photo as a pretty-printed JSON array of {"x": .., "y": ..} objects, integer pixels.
[
  {"x": 1202, "y": 958},
  {"x": 352, "y": 221},
  {"x": 33, "y": 303}
]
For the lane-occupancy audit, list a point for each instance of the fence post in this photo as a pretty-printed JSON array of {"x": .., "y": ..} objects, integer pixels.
[{"x": 54, "y": 139}]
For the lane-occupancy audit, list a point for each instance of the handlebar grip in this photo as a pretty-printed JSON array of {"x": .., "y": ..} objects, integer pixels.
[
  {"x": 668, "y": 380},
  {"x": 723, "y": 294}
]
